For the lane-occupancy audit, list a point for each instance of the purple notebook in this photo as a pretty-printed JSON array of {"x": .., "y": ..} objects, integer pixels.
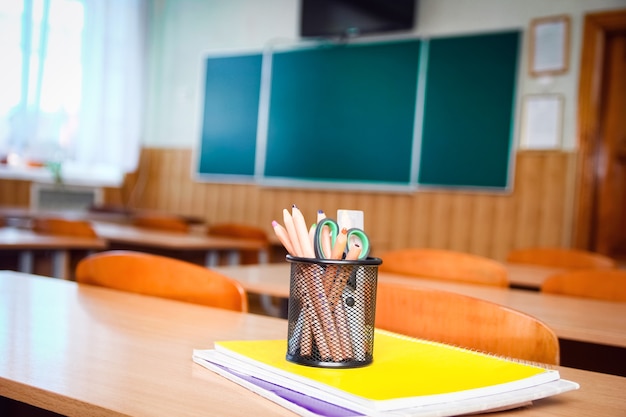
[{"x": 313, "y": 405}]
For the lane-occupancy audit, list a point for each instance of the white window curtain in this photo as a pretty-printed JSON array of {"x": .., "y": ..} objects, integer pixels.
[{"x": 73, "y": 74}]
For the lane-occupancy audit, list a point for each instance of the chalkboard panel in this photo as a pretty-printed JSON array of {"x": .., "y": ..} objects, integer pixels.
[
  {"x": 469, "y": 110},
  {"x": 229, "y": 129},
  {"x": 343, "y": 113}
]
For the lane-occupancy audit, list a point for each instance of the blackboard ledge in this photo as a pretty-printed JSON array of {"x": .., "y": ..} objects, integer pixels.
[
  {"x": 223, "y": 178},
  {"x": 352, "y": 186},
  {"x": 507, "y": 190}
]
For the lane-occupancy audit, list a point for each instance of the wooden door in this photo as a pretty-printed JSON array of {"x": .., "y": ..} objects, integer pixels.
[
  {"x": 609, "y": 213},
  {"x": 601, "y": 204}
]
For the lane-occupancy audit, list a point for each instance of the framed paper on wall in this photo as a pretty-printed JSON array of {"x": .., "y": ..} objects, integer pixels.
[
  {"x": 542, "y": 122},
  {"x": 549, "y": 45}
]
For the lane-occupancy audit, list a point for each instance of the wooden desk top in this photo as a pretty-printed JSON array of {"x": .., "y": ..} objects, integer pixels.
[
  {"x": 80, "y": 350},
  {"x": 24, "y": 239},
  {"x": 574, "y": 318},
  {"x": 128, "y": 234}
]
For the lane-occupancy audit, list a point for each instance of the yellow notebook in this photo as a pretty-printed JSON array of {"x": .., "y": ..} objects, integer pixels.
[{"x": 406, "y": 372}]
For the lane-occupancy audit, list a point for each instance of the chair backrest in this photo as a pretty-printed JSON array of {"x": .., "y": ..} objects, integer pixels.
[
  {"x": 161, "y": 276},
  {"x": 242, "y": 231},
  {"x": 159, "y": 221},
  {"x": 601, "y": 284},
  {"x": 560, "y": 258},
  {"x": 464, "y": 321},
  {"x": 445, "y": 265},
  {"x": 64, "y": 227}
]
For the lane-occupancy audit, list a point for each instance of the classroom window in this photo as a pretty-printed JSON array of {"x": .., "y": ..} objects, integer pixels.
[{"x": 69, "y": 82}]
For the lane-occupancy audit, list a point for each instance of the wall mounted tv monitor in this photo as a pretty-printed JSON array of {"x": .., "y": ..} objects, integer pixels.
[{"x": 348, "y": 18}]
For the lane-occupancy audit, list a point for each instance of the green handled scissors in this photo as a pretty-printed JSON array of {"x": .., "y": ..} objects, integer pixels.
[{"x": 355, "y": 235}]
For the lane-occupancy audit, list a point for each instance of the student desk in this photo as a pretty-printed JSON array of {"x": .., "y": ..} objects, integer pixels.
[
  {"x": 529, "y": 276},
  {"x": 585, "y": 327},
  {"x": 82, "y": 350},
  {"x": 133, "y": 237},
  {"x": 522, "y": 276},
  {"x": 26, "y": 241}
]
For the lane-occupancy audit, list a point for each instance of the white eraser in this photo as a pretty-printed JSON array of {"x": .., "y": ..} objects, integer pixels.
[{"x": 350, "y": 219}]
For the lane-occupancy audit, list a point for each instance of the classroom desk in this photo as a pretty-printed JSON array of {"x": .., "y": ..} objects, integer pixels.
[
  {"x": 585, "y": 320},
  {"x": 523, "y": 276},
  {"x": 177, "y": 243},
  {"x": 81, "y": 350},
  {"x": 26, "y": 241},
  {"x": 529, "y": 276}
]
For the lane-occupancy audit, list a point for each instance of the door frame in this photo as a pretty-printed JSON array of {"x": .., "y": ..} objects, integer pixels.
[{"x": 597, "y": 26}]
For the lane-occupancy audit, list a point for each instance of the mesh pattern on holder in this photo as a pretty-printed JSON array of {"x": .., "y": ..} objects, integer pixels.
[{"x": 332, "y": 307}]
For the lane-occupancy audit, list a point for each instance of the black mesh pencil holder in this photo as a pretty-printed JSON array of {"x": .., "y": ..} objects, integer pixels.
[{"x": 332, "y": 307}]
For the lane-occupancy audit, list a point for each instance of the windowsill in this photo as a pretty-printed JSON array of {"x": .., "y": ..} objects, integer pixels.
[{"x": 72, "y": 175}]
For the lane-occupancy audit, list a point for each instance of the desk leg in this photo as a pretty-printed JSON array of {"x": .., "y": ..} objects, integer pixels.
[
  {"x": 269, "y": 307},
  {"x": 26, "y": 261},
  {"x": 264, "y": 256},
  {"x": 60, "y": 263},
  {"x": 233, "y": 257},
  {"x": 211, "y": 258}
]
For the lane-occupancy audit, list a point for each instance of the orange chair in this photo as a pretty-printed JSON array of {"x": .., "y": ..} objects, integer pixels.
[
  {"x": 160, "y": 221},
  {"x": 560, "y": 258},
  {"x": 601, "y": 284},
  {"x": 64, "y": 227},
  {"x": 161, "y": 276},
  {"x": 464, "y": 321},
  {"x": 445, "y": 265},
  {"x": 243, "y": 231}
]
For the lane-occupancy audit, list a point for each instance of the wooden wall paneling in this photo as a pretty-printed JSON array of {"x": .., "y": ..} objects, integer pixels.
[
  {"x": 482, "y": 232},
  {"x": 150, "y": 199},
  {"x": 252, "y": 212},
  {"x": 265, "y": 212},
  {"x": 324, "y": 201},
  {"x": 527, "y": 196},
  {"x": 177, "y": 177},
  {"x": 188, "y": 186},
  {"x": 378, "y": 226},
  {"x": 421, "y": 220},
  {"x": 400, "y": 222},
  {"x": 197, "y": 200},
  {"x": 224, "y": 196},
  {"x": 504, "y": 227},
  {"x": 376, "y": 223},
  {"x": 14, "y": 192},
  {"x": 567, "y": 232},
  {"x": 480, "y": 223},
  {"x": 440, "y": 226},
  {"x": 244, "y": 213},
  {"x": 460, "y": 229},
  {"x": 212, "y": 200},
  {"x": 239, "y": 211},
  {"x": 552, "y": 200},
  {"x": 169, "y": 187}
]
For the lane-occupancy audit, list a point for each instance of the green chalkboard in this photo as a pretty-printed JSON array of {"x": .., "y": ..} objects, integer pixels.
[
  {"x": 343, "y": 113},
  {"x": 469, "y": 110},
  {"x": 231, "y": 107},
  {"x": 412, "y": 112}
]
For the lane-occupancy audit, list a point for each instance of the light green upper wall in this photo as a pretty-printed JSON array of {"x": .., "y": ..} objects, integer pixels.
[{"x": 183, "y": 32}]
